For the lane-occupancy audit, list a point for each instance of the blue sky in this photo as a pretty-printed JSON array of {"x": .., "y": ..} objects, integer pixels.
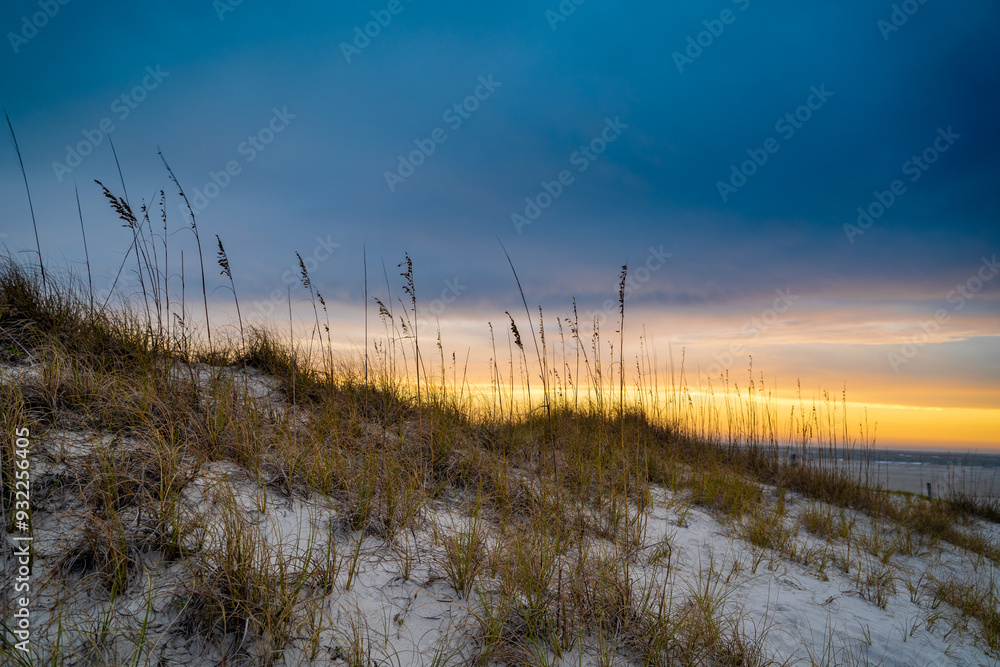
[{"x": 558, "y": 83}]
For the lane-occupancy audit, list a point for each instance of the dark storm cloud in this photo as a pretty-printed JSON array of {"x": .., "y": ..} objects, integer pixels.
[{"x": 875, "y": 102}]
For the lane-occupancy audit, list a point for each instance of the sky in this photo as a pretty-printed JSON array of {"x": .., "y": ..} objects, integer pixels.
[{"x": 812, "y": 185}]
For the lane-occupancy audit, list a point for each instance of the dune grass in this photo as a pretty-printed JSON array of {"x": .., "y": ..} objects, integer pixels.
[{"x": 565, "y": 490}]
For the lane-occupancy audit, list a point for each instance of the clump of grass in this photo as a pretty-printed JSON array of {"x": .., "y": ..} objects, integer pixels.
[
  {"x": 602, "y": 596},
  {"x": 974, "y": 600},
  {"x": 725, "y": 490},
  {"x": 964, "y": 504},
  {"x": 821, "y": 520},
  {"x": 693, "y": 630},
  {"x": 105, "y": 553},
  {"x": 876, "y": 584},
  {"x": 465, "y": 556},
  {"x": 245, "y": 590},
  {"x": 765, "y": 527}
]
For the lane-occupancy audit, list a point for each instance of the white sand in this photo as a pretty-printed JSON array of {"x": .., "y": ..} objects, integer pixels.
[
  {"x": 798, "y": 612},
  {"x": 804, "y": 610}
]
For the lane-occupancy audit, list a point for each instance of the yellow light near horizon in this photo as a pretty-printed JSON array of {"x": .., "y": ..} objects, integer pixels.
[
  {"x": 891, "y": 426},
  {"x": 940, "y": 428},
  {"x": 900, "y": 414}
]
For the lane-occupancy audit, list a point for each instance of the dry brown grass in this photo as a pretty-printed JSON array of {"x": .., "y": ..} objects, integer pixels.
[{"x": 546, "y": 485}]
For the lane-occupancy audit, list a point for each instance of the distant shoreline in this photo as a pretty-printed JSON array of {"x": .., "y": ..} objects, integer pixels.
[
  {"x": 972, "y": 473},
  {"x": 975, "y": 481}
]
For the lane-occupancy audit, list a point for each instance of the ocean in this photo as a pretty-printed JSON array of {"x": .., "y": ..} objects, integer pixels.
[{"x": 975, "y": 474}]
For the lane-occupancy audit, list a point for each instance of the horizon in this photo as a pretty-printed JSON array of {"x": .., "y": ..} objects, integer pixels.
[{"x": 809, "y": 187}]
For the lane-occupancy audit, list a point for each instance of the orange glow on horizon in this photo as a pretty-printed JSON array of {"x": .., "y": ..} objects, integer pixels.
[{"x": 904, "y": 409}]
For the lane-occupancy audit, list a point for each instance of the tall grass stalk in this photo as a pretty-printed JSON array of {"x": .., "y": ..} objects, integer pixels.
[
  {"x": 364, "y": 259},
  {"x": 410, "y": 288},
  {"x": 223, "y": 261},
  {"x": 31, "y": 205},
  {"x": 621, "y": 347},
  {"x": 197, "y": 238},
  {"x": 527, "y": 312},
  {"x": 86, "y": 252}
]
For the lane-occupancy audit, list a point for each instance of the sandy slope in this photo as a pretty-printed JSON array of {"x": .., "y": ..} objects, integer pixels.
[{"x": 401, "y": 608}]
